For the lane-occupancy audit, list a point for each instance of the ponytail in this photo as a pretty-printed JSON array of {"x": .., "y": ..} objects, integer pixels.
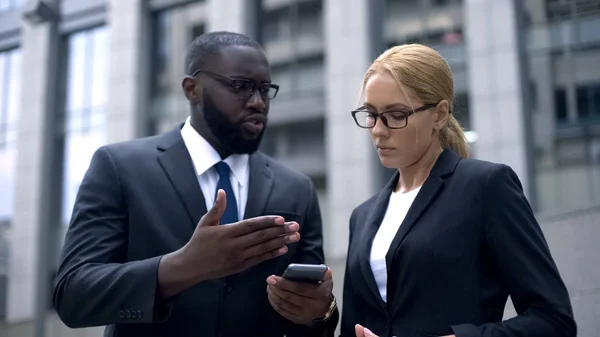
[{"x": 453, "y": 137}]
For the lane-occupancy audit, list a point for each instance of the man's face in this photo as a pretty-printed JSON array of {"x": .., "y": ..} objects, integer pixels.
[{"x": 235, "y": 115}]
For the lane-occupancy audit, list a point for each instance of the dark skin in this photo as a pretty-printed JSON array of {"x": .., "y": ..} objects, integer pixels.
[
  {"x": 257, "y": 239},
  {"x": 216, "y": 251},
  {"x": 235, "y": 62}
]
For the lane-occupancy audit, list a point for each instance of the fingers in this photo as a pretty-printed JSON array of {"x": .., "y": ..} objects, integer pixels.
[
  {"x": 247, "y": 226},
  {"x": 328, "y": 275},
  {"x": 277, "y": 243},
  {"x": 295, "y": 301},
  {"x": 286, "y": 300},
  {"x": 285, "y": 234},
  {"x": 213, "y": 216},
  {"x": 363, "y": 332},
  {"x": 254, "y": 260},
  {"x": 303, "y": 289},
  {"x": 282, "y": 311},
  {"x": 360, "y": 331}
]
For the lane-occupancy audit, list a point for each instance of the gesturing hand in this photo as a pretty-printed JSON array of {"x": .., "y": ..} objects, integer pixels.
[
  {"x": 300, "y": 302},
  {"x": 216, "y": 251}
]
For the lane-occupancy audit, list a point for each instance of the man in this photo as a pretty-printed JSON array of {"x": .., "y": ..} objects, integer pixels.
[{"x": 137, "y": 259}]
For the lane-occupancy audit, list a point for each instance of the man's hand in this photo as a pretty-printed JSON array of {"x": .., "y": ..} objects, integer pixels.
[
  {"x": 216, "y": 251},
  {"x": 300, "y": 302}
]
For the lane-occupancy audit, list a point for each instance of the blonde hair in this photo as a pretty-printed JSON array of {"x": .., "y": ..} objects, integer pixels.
[{"x": 425, "y": 73}]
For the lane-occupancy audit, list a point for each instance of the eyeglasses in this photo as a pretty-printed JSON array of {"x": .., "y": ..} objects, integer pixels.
[
  {"x": 243, "y": 87},
  {"x": 391, "y": 119}
]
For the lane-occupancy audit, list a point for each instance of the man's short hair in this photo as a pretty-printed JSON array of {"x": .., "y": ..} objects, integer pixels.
[{"x": 207, "y": 46}]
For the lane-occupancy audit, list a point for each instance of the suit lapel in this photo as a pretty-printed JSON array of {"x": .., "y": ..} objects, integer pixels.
[
  {"x": 261, "y": 182},
  {"x": 371, "y": 226},
  {"x": 445, "y": 165},
  {"x": 176, "y": 162}
]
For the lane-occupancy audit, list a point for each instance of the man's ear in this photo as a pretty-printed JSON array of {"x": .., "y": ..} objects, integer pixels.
[
  {"x": 442, "y": 113},
  {"x": 191, "y": 89}
]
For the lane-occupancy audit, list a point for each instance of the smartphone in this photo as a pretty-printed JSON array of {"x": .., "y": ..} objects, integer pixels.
[{"x": 310, "y": 273}]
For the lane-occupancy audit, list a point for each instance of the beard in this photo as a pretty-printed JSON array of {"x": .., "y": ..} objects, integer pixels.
[{"x": 228, "y": 134}]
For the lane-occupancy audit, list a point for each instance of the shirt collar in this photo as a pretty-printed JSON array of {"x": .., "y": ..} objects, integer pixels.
[{"x": 204, "y": 156}]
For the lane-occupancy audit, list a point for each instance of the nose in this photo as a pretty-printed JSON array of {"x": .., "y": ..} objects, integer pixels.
[
  {"x": 256, "y": 102},
  {"x": 379, "y": 129}
]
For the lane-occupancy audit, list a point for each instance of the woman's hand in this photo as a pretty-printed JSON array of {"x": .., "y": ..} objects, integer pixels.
[{"x": 361, "y": 331}]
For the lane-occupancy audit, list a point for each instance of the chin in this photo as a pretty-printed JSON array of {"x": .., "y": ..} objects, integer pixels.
[{"x": 388, "y": 163}]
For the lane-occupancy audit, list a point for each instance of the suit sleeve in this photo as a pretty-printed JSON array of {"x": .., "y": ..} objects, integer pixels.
[
  {"x": 95, "y": 285},
  {"x": 519, "y": 248},
  {"x": 310, "y": 251},
  {"x": 351, "y": 311}
]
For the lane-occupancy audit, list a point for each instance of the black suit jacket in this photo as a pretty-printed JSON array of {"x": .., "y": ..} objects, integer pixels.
[
  {"x": 469, "y": 241},
  {"x": 140, "y": 200}
]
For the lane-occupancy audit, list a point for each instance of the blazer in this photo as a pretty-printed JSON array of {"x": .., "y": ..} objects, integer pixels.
[
  {"x": 469, "y": 241},
  {"x": 140, "y": 200}
]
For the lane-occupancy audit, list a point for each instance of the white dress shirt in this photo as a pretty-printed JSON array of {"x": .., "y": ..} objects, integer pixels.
[
  {"x": 397, "y": 209},
  {"x": 204, "y": 158}
]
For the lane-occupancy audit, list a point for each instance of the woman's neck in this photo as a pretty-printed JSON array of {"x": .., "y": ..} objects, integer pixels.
[{"x": 414, "y": 176}]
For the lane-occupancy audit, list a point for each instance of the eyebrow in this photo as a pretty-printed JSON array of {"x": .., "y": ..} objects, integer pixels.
[{"x": 389, "y": 106}]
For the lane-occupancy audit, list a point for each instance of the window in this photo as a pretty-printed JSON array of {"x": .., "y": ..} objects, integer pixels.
[
  {"x": 85, "y": 108},
  {"x": 173, "y": 30},
  {"x": 588, "y": 102},
  {"x": 10, "y": 4},
  {"x": 298, "y": 79},
  {"x": 10, "y": 99},
  {"x": 560, "y": 105}
]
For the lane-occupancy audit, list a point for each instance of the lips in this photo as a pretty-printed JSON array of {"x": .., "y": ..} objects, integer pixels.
[
  {"x": 256, "y": 118},
  {"x": 254, "y": 123},
  {"x": 382, "y": 150}
]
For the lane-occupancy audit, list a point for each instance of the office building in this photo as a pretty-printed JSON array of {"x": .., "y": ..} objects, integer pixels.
[{"x": 75, "y": 75}]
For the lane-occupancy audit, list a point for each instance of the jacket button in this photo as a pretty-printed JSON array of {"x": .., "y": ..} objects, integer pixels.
[
  {"x": 227, "y": 287},
  {"x": 121, "y": 314}
]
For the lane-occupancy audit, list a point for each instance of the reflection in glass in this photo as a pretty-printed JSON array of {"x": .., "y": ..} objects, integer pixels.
[
  {"x": 10, "y": 100},
  {"x": 85, "y": 110},
  {"x": 173, "y": 29},
  {"x": 564, "y": 58}
]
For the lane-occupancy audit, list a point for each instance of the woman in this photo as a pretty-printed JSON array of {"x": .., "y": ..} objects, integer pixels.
[{"x": 438, "y": 251}]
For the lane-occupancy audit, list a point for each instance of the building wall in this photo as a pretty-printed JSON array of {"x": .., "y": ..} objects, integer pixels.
[{"x": 310, "y": 129}]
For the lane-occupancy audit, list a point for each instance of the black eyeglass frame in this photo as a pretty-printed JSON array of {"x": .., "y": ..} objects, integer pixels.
[
  {"x": 384, "y": 115},
  {"x": 230, "y": 83}
]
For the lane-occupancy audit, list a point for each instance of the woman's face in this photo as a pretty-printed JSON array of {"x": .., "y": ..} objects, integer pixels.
[{"x": 398, "y": 148}]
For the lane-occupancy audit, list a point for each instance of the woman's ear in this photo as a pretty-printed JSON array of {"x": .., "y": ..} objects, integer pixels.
[{"x": 442, "y": 113}]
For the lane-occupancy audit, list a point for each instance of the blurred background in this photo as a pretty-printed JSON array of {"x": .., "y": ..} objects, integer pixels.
[{"x": 77, "y": 74}]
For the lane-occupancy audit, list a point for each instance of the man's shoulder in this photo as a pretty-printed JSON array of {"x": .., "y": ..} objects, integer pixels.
[
  {"x": 131, "y": 149},
  {"x": 284, "y": 172}
]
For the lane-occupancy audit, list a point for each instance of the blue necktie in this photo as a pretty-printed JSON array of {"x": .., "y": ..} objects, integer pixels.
[{"x": 231, "y": 212}]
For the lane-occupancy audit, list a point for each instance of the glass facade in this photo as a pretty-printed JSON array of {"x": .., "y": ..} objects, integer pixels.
[
  {"x": 564, "y": 63},
  {"x": 10, "y": 4},
  {"x": 173, "y": 29},
  {"x": 85, "y": 108},
  {"x": 10, "y": 101},
  {"x": 439, "y": 25}
]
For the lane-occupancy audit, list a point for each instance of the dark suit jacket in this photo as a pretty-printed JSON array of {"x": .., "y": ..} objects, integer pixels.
[
  {"x": 469, "y": 241},
  {"x": 140, "y": 200}
]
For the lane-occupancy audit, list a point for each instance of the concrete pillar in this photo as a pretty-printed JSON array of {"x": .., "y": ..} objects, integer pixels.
[
  {"x": 349, "y": 151},
  {"x": 129, "y": 73},
  {"x": 495, "y": 82},
  {"x": 29, "y": 278}
]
